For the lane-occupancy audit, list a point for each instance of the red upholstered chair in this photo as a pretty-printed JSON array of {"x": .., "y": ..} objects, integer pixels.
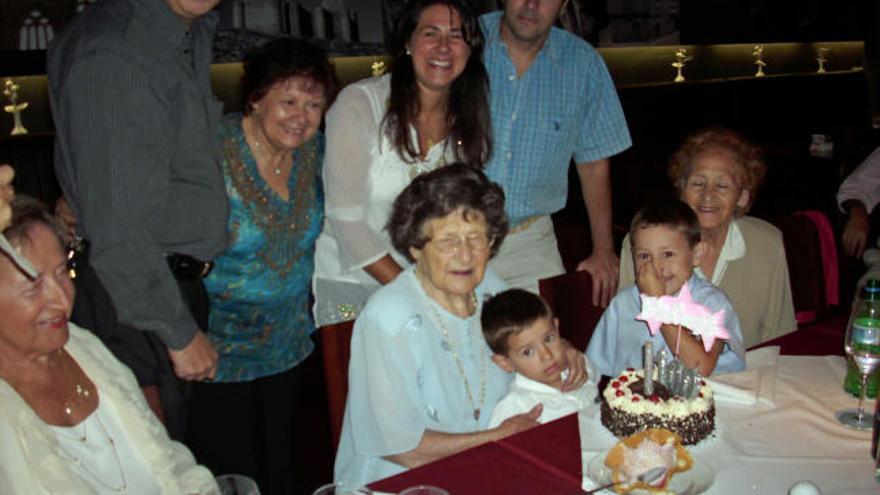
[
  {"x": 812, "y": 263},
  {"x": 572, "y": 240},
  {"x": 570, "y": 295},
  {"x": 335, "y": 351}
]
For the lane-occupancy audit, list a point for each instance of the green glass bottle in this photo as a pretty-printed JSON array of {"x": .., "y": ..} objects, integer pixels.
[{"x": 866, "y": 314}]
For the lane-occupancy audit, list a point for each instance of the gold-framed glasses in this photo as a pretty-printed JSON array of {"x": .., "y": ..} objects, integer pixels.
[{"x": 475, "y": 243}]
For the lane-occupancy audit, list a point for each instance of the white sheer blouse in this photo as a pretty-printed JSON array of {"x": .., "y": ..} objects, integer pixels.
[{"x": 362, "y": 175}]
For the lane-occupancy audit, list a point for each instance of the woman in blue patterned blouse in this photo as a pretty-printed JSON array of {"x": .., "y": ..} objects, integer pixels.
[{"x": 259, "y": 288}]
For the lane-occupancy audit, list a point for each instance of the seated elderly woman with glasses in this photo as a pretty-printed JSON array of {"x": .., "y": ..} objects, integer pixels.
[
  {"x": 72, "y": 417},
  {"x": 421, "y": 381}
]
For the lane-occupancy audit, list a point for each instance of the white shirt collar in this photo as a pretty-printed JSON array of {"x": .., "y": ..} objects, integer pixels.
[
  {"x": 535, "y": 386},
  {"x": 734, "y": 248}
]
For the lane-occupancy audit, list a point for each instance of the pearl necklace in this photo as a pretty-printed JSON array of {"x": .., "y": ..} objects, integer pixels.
[{"x": 447, "y": 344}]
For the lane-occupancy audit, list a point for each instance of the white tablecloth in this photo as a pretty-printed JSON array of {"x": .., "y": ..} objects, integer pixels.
[{"x": 764, "y": 449}]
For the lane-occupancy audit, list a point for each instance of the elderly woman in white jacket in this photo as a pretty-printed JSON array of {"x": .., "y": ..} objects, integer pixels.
[{"x": 72, "y": 418}]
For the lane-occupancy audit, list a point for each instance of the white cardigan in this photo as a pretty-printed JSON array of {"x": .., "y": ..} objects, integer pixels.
[{"x": 30, "y": 463}]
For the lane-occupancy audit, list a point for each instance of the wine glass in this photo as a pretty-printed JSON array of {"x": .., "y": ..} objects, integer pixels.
[
  {"x": 343, "y": 488},
  {"x": 862, "y": 346},
  {"x": 237, "y": 484},
  {"x": 424, "y": 490}
]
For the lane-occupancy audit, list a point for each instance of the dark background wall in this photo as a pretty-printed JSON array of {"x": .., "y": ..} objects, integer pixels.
[{"x": 748, "y": 21}]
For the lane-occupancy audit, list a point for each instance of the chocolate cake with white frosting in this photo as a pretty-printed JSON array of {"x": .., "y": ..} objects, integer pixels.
[{"x": 627, "y": 410}]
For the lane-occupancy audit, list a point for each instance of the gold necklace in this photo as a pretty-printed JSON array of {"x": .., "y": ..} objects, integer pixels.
[
  {"x": 82, "y": 394},
  {"x": 78, "y": 432},
  {"x": 123, "y": 486},
  {"x": 255, "y": 144},
  {"x": 448, "y": 345}
]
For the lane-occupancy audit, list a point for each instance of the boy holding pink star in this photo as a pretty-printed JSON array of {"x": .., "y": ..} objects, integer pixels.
[{"x": 669, "y": 305}]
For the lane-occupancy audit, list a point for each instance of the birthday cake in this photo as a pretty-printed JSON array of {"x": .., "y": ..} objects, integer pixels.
[{"x": 627, "y": 410}]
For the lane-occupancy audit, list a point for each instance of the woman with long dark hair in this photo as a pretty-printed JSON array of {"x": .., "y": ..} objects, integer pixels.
[{"x": 432, "y": 109}]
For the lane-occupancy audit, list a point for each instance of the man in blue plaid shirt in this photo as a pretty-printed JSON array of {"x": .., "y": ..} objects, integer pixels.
[{"x": 552, "y": 101}]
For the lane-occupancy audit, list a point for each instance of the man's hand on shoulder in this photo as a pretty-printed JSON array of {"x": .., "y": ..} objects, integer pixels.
[
  {"x": 603, "y": 265},
  {"x": 197, "y": 361}
]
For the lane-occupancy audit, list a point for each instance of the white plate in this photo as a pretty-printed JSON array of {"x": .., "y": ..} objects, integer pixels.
[{"x": 695, "y": 480}]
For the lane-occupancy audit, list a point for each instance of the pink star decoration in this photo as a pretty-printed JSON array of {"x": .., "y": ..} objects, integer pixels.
[{"x": 683, "y": 310}]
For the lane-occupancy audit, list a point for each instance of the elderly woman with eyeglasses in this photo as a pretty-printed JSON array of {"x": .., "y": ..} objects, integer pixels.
[{"x": 421, "y": 381}]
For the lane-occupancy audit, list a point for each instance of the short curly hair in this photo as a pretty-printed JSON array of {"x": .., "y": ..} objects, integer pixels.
[
  {"x": 440, "y": 192},
  {"x": 746, "y": 155},
  {"x": 282, "y": 59}
]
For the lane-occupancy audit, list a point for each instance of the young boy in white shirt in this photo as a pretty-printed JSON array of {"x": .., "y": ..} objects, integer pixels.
[{"x": 523, "y": 334}]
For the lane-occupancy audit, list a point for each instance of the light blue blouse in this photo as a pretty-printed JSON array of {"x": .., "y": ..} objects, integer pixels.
[
  {"x": 617, "y": 342},
  {"x": 260, "y": 322},
  {"x": 403, "y": 378}
]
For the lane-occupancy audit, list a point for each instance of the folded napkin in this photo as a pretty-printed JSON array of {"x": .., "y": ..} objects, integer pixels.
[{"x": 751, "y": 387}]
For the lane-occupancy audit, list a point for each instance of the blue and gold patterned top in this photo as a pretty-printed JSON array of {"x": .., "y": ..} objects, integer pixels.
[{"x": 260, "y": 320}]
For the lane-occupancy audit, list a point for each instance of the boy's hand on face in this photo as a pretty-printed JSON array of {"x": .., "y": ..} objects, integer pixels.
[{"x": 648, "y": 281}]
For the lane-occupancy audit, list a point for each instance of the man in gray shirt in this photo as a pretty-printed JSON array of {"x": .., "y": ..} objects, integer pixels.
[{"x": 137, "y": 156}]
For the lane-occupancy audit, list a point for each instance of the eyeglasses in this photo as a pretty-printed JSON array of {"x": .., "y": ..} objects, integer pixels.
[{"x": 476, "y": 243}]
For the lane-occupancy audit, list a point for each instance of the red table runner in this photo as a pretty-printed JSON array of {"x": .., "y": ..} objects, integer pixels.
[{"x": 511, "y": 466}]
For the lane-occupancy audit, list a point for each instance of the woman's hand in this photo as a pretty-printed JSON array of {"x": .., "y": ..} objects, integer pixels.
[
  {"x": 577, "y": 369},
  {"x": 520, "y": 422},
  {"x": 6, "y": 195},
  {"x": 436, "y": 445}
]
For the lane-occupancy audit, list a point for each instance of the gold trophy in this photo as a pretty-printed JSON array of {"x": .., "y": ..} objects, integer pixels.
[
  {"x": 377, "y": 68},
  {"x": 681, "y": 58},
  {"x": 821, "y": 59},
  {"x": 15, "y": 108},
  {"x": 758, "y": 53}
]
